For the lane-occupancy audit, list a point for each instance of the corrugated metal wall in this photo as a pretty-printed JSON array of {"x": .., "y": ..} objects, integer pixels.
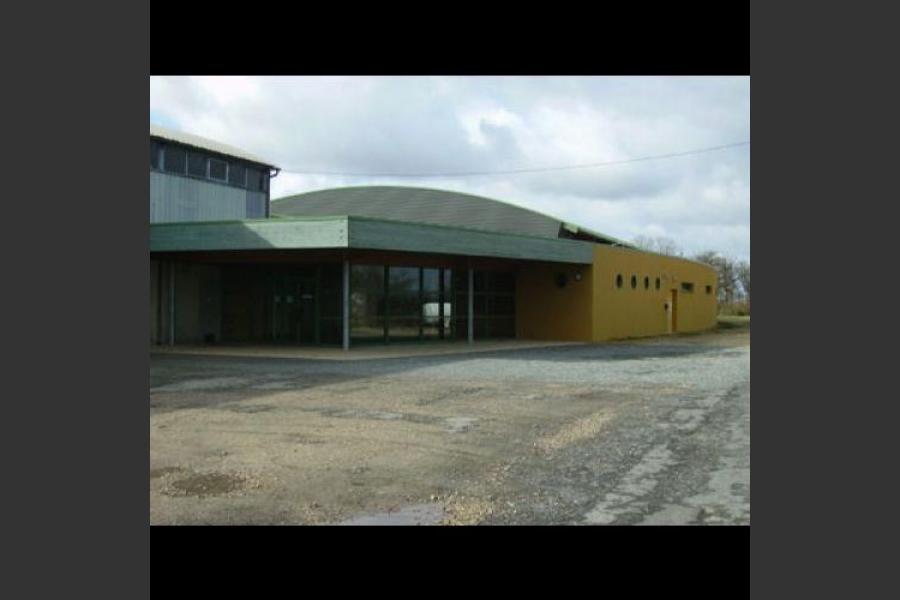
[
  {"x": 256, "y": 205},
  {"x": 174, "y": 199}
]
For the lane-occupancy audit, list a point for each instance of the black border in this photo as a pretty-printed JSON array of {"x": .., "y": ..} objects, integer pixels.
[{"x": 696, "y": 38}]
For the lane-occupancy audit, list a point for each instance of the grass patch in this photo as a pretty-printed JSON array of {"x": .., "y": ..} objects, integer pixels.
[{"x": 733, "y": 322}]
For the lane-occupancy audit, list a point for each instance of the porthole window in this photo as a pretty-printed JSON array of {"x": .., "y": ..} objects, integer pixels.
[
  {"x": 619, "y": 280},
  {"x": 646, "y": 283},
  {"x": 657, "y": 283},
  {"x": 634, "y": 282}
]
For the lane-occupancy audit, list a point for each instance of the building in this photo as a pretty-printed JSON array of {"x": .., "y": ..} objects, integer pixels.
[
  {"x": 349, "y": 266},
  {"x": 195, "y": 179}
]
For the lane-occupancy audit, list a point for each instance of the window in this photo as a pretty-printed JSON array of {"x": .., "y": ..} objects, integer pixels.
[
  {"x": 646, "y": 283},
  {"x": 657, "y": 283},
  {"x": 687, "y": 287},
  {"x": 236, "y": 175},
  {"x": 367, "y": 302},
  {"x": 174, "y": 159},
  {"x": 619, "y": 280},
  {"x": 154, "y": 154},
  {"x": 634, "y": 282},
  {"x": 196, "y": 164},
  {"x": 709, "y": 289},
  {"x": 218, "y": 169}
]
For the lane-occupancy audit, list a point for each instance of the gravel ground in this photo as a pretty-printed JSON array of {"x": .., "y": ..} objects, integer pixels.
[{"x": 648, "y": 432}]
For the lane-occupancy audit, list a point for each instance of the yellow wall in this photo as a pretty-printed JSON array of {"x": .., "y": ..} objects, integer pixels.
[
  {"x": 625, "y": 312},
  {"x": 545, "y": 311},
  {"x": 594, "y": 309}
]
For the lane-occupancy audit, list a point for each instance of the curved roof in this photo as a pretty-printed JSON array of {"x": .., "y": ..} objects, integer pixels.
[
  {"x": 195, "y": 141},
  {"x": 435, "y": 207}
]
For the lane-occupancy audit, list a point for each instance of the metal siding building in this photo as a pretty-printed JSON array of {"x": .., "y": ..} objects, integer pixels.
[
  {"x": 389, "y": 264},
  {"x": 190, "y": 191}
]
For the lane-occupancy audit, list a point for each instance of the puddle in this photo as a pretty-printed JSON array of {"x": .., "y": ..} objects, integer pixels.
[
  {"x": 417, "y": 514},
  {"x": 277, "y": 385},
  {"x": 254, "y": 408},
  {"x": 206, "y": 484},
  {"x": 195, "y": 385},
  {"x": 459, "y": 424}
]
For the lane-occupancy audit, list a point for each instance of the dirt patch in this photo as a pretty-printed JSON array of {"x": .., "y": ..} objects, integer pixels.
[
  {"x": 163, "y": 471},
  {"x": 209, "y": 484},
  {"x": 581, "y": 429},
  {"x": 249, "y": 410},
  {"x": 467, "y": 510}
]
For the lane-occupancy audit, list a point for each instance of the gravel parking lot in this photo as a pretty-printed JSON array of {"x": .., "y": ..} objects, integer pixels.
[{"x": 647, "y": 432}]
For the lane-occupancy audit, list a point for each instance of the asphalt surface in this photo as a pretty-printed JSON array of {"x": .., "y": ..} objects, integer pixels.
[{"x": 653, "y": 432}]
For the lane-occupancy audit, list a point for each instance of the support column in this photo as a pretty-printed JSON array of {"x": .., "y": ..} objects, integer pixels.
[
  {"x": 422, "y": 302},
  {"x": 172, "y": 303},
  {"x": 160, "y": 284},
  {"x": 471, "y": 305},
  {"x": 441, "y": 303},
  {"x": 346, "y": 305}
]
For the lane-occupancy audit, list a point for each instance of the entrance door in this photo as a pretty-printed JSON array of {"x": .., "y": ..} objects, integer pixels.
[
  {"x": 306, "y": 325},
  {"x": 293, "y": 315},
  {"x": 672, "y": 312}
]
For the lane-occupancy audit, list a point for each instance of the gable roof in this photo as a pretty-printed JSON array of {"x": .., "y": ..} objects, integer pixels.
[{"x": 195, "y": 141}]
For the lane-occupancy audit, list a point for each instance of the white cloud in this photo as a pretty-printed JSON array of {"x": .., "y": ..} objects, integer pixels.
[{"x": 453, "y": 124}]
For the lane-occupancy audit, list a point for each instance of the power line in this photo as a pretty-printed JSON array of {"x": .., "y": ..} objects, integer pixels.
[{"x": 517, "y": 171}]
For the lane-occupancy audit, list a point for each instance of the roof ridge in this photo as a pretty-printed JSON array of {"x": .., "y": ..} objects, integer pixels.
[{"x": 205, "y": 143}]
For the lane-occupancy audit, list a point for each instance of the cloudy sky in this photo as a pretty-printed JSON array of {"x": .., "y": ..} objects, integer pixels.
[{"x": 352, "y": 128}]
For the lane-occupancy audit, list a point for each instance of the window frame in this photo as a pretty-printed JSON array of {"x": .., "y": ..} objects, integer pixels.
[
  {"x": 204, "y": 157},
  {"x": 209, "y": 170},
  {"x": 164, "y": 148},
  {"x": 165, "y": 154}
]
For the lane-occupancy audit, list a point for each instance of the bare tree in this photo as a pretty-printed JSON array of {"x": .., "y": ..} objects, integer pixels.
[
  {"x": 658, "y": 244},
  {"x": 726, "y": 270},
  {"x": 743, "y": 276}
]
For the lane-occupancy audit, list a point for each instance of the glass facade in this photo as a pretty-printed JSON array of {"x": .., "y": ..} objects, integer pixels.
[
  {"x": 367, "y": 302},
  {"x": 301, "y": 304},
  {"x": 423, "y": 303},
  {"x": 283, "y": 304}
]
